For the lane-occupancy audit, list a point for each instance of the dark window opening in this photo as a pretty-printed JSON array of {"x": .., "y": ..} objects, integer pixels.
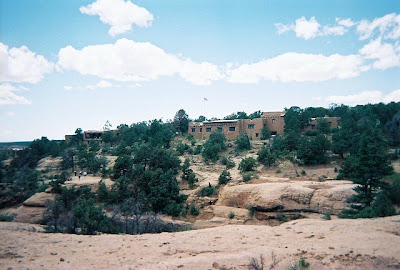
[
  {"x": 208, "y": 129},
  {"x": 232, "y": 128},
  {"x": 273, "y": 132},
  {"x": 250, "y": 126},
  {"x": 256, "y": 135},
  {"x": 220, "y": 128},
  {"x": 201, "y": 129},
  {"x": 193, "y": 130}
]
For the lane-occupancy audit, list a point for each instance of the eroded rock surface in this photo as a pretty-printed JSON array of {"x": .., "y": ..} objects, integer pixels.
[{"x": 326, "y": 197}]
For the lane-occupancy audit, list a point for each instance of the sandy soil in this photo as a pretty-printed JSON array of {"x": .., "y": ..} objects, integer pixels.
[{"x": 334, "y": 244}]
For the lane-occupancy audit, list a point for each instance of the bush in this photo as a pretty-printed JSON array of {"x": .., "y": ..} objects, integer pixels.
[
  {"x": 252, "y": 210},
  {"x": 326, "y": 216},
  {"x": 247, "y": 164},
  {"x": 311, "y": 133},
  {"x": 194, "y": 211},
  {"x": 383, "y": 206},
  {"x": 213, "y": 146},
  {"x": 265, "y": 133},
  {"x": 282, "y": 218},
  {"x": 231, "y": 215},
  {"x": 224, "y": 177},
  {"x": 228, "y": 163},
  {"x": 181, "y": 148},
  {"x": 247, "y": 176},
  {"x": 266, "y": 156},
  {"x": 302, "y": 264},
  {"x": 243, "y": 142},
  {"x": 5, "y": 217},
  {"x": 198, "y": 150},
  {"x": 207, "y": 191},
  {"x": 394, "y": 192}
]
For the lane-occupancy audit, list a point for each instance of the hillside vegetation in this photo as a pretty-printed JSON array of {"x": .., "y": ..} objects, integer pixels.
[{"x": 152, "y": 170}]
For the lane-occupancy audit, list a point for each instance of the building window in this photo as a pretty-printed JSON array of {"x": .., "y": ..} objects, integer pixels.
[
  {"x": 193, "y": 130},
  {"x": 201, "y": 129},
  {"x": 208, "y": 129},
  {"x": 273, "y": 121},
  {"x": 250, "y": 126},
  {"x": 219, "y": 128},
  {"x": 256, "y": 135},
  {"x": 265, "y": 125},
  {"x": 232, "y": 128}
]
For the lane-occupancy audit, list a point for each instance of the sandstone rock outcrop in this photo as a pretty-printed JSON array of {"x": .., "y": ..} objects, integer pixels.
[
  {"x": 326, "y": 197},
  {"x": 39, "y": 199}
]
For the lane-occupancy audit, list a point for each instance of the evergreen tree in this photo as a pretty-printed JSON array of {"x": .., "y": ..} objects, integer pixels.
[
  {"x": 366, "y": 168},
  {"x": 181, "y": 121}
]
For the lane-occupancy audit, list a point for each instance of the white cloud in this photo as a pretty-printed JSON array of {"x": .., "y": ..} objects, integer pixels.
[
  {"x": 282, "y": 28},
  {"x": 9, "y": 97},
  {"x": 387, "y": 26},
  {"x": 361, "y": 98},
  {"x": 298, "y": 67},
  {"x": 11, "y": 114},
  {"x": 120, "y": 14},
  {"x": 309, "y": 29},
  {"x": 392, "y": 97},
  {"x": 357, "y": 99},
  {"x": 334, "y": 30},
  {"x": 127, "y": 60},
  {"x": 306, "y": 29},
  {"x": 384, "y": 53},
  {"x": 100, "y": 84},
  {"x": 345, "y": 22},
  {"x": 22, "y": 65}
]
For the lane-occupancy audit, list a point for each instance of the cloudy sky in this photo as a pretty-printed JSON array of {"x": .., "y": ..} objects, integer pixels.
[{"x": 68, "y": 64}]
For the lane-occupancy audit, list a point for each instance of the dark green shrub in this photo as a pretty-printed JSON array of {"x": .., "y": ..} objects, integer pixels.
[
  {"x": 194, "y": 211},
  {"x": 207, "y": 191},
  {"x": 213, "y": 146},
  {"x": 243, "y": 142},
  {"x": 247, "y": 176},
  {"x": 266, "y": 156},
  {"x": 198, "y": 150},
  {"x": 103, "y": 194},
  {"x": 231, "y": 215},
  {"x": 282, "y": 218},
  {"x": 5, "y": 217},
  {"x": 224, "y": 177},
  {"x": 247, "y": 164},
  {"x": 181, "y": 148},
  {"x": 228, "y": 163},
  {"x": 326, "y": 216},
  {"x": 265, "y": 133},
  {"x": 311, "y": 133},
  {"x": 252, "y": 210},
  {"x": 383, "y": 205},
  {"x": 394, "y": 191}
]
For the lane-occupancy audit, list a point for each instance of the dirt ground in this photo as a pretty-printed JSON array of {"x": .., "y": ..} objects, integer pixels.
[{"x": 334, "y": 244}]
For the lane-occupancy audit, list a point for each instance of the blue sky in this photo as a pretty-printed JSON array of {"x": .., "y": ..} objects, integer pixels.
[{"x": 69, "y": 64}]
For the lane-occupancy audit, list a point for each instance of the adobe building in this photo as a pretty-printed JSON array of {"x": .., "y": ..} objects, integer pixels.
[
  {"x": 333, "y": 121},
  {"x": 274, "y": 121},
  {"x": 91, "y": 135}
]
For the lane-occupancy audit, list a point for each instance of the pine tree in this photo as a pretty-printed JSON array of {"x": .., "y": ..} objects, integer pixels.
[{"x": 366, "y": 168}]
